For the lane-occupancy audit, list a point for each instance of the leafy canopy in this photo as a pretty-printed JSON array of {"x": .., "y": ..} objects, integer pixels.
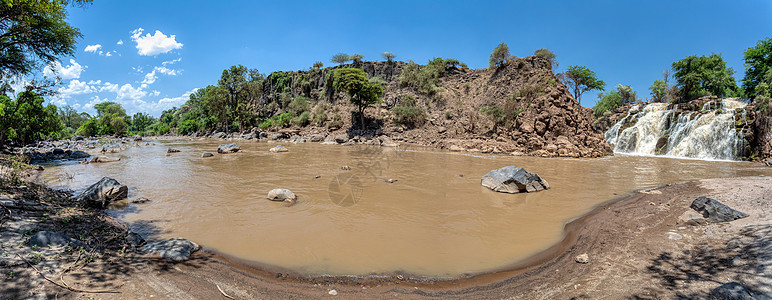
[
  {"x": 362, "y": 92},
  {"x": 499, "y": 56},
  {"x": 580, "y": 79},
  {"x": 758, "y": 66},
  {"x": 698, "y": 76},
  {"x": 340, "y": 58},
  {"x": 388, "y": 56},
  {"x": 26, "y": 119},
  {"x": 547, "y": 54},
  {"x": 658, "y": 90},
  {"x": 622, "y": 95}
]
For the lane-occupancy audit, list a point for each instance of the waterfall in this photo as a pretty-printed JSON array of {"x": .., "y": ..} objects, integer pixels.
[{"x": 662, "y": 129}]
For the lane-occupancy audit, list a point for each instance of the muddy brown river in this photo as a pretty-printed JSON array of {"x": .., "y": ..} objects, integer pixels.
[{"x": 435, "y": 220}]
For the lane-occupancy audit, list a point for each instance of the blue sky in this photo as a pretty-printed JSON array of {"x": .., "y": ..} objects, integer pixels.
[{"x": 169, "y": 48}]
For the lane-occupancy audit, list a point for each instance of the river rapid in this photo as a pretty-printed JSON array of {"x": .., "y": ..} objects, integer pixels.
[{"x": 434, "y": 220}]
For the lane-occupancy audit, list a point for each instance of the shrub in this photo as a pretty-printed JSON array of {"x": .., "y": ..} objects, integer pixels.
[
  {"x": 265, "y": 124},
  {"x": 282, "y": 120},
  {"x": 336, "y": 123},
  {"x": 499, "y": 56},
  {"x": 548, "y": 54},
  {"x": 495, "y": 114},
  {"x": 388, "y": 56},
  {"x": 318, "y": 65},
  {"x": 356, "y": 58},
  {"x": 299, "y": 104},
  {"x": 302, "y": 119},
  {"x": 407, "y": 112},
  {"x": 426, "y": 78}
]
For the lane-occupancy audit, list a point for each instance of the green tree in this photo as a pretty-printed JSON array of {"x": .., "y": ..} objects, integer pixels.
[
  {"x": 758, "y": 66},
  {"x": 111, "y": 118},
  {"x": 318, "y": 65},
  {"x": 26, "y": 119},
  {"x": 622, "y": 95},
  {"x": 658, "y": 90},
  {"x": 500, "y": 55},
  {"x": 580, "y": 79},
  {"x": 34, "y": 33},
  {"x": 140, "y": 122},
  {"x": 362, "y": 92},
  {"x": 547, "y": 54},
  {"x": 71, "y": 118},
  {"x": 340, "y": 58},
  {"x": 698, "y": 76},
  {"x": 356, "y": 58},
  {"x": 233, "y": 81},
  {"x": 388, "y": 56}
]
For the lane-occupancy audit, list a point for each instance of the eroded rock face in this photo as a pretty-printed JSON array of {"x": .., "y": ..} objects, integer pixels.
[
  {"x": 177, "y": 249},
  {"x": 228, "y": 148},
  {"x": 715, "y": 211},
  {"x": 100, "y": 194},
  {"x": 512, "y": 180}
]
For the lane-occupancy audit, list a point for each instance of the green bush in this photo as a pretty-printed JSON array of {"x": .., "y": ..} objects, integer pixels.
[
  {"x": 336, "y": 122},
  {"x": 408, "y": 113},
  {"x": 265, "y": 124},
  {"x": 302, "y": 119},
  {"x": 187, "y": 126},
  {"x": 426, "y": 78},
  {"x": 299, "y": 104},
  {"x": 282, "y": 120}
]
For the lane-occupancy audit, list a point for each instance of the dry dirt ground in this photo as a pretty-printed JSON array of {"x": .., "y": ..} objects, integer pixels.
[{"x": 636, "y": 247}]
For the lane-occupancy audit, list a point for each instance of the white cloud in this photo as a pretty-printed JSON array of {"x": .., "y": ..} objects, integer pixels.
[
  {"x": 150, "y": 78},
  {"x": 129, "y": 93},
  {"x": 155, "y": 93},
  {"x": 109, "y": 87},
  {"x": 95, "y": 82},
  {"x": 166, "y": 103},
  {"x": 171, "y": 62},
  {"x": 69, "y": 72},
  {"x": 166, "y": 71},
  {"x": 108, "y": 54},
  {"x": 94, "y": 101},
  {"x": 158, "y": 43},
  {"x": 120, "y": 42},
  {"x": 76, "y": 87},
  {"x": 93, "y": 48}
]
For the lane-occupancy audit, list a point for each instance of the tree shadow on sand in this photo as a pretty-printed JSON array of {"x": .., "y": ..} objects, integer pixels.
[{"x": 746, "y": 259}]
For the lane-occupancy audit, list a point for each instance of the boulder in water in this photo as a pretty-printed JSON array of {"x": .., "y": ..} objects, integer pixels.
[
  {"x": 512, "y": 180},
  {"x": 79, "y": 154},
  {"x": 207, "y": 154},
  {"x": 177, "y": 249},
  {"x": 282, "y": 195},
  {"x": 715, "y": 211},
  {"x": 103, "y": 192},
  {"x": 102, "y": 159},
  {"x": 172, "y": 150},
  {"x": 341, "y": 138},
  {"x": 228, "y": 148},
  {"x": 278, "y": 148}
]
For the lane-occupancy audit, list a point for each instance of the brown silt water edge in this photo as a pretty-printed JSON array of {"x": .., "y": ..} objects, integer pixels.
[{"x": 412, "y": 211}]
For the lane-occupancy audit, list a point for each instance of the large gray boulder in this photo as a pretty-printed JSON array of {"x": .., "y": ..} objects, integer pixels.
[
  {"x": 79, "y": 155},
  {"x": 512, "y": 180},
  {"x": 341, "y": 138},
  {"x": 715, "y": 211},
  {"x": 177, "y": 249},
  {"x": 228, "y": 148},
  {"x": 48, "y": 238},
  {"x": 278, "y": 148},
  {"x": 100, "y": 194},
  {"x": 731, "y": 291}
]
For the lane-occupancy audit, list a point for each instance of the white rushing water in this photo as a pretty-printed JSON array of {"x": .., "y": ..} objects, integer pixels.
[{"x": 657, "y": 129}]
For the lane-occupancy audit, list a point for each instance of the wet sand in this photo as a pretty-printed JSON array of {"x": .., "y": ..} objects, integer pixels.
[{"x": 628, "y": 242}]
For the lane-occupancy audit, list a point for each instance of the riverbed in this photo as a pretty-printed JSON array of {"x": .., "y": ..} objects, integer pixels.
[{"x": 434, "y": 219}]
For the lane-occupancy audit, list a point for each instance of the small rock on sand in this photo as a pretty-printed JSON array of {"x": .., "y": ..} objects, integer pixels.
[
  {"x": 674, "y": 236},
  {"x": 48, "y": 238},
  {"x": 583, "y": 258},
  {"x": 333, "y": 292}
]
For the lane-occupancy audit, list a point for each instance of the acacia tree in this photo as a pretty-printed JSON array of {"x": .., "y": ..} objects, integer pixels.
[
  {"x": 388, "y": 56},
  {"x": 658, "y": 90},
  {"x": 580, "y": 79},
  {"x": 318, "y": 65},
  {"x": 698, "y": 76},
  {"x": 356, "y": 58},
  {"x": 758, "y": 66},
  {"x": 362, "y": 92},
  {"x": 340, "y": 58},
  {"x": 500, "y": 55}
]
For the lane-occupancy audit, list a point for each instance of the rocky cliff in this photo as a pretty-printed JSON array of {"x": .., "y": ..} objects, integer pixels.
[{"x": 540, "y": 117}]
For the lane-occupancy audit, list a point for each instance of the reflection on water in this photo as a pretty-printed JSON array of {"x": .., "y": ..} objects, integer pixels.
[{"x": 434, "y": 220}]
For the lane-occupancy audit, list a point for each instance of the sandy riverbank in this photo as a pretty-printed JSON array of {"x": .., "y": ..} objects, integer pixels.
[{"x": 629, "y": 242}]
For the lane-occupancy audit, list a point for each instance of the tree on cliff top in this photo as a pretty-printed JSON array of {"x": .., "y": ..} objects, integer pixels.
[
  {"x": 622, "y": 95},
  {"x": 698, "y": 76},
  {"x": 580, "y": 79},
  {"x": 340, "y": 58},
  {"x": 362, "y": 92},
  {"x": 549, "y": 55},
  {"x": 758, "y": 66},
  {"x": 499, "y": 56},
  {"x": 388, "y": 56}
]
